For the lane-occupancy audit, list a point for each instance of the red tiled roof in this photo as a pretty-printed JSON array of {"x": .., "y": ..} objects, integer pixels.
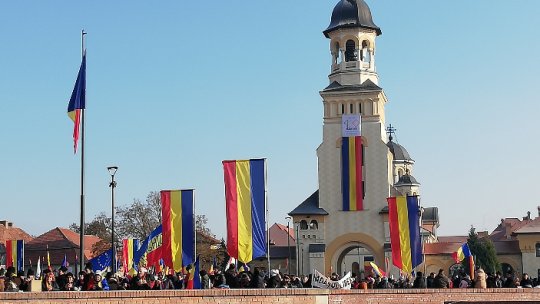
[
  {"x": 532, "y": 226},
  {"x": 61, "y": 242},
  {"x": 441, "y": 248},
  {"x": 13, "y": 233},
  {"x": 506, "y": 228},
  {"x": 278, "y": 235},
  {"x": 453, "y": 239}
]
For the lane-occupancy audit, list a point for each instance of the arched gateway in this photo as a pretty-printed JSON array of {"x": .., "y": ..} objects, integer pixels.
[{"x": 345, "y": 240}]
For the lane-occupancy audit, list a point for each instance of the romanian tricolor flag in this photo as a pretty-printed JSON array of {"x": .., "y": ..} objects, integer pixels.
[
  {"x": 377, "y": 270},
  {"x": 178, "y": 235},
  {"x": 15, "y": 254},
  {"x": 462, "y": 253},
  {"x": 77, "y": 101},
  {"x": 351, "y": 177},
  {"x": 130, "y": 246},
  {"x": 404, "y": 222},
  {"x": 245, "y": 187}
]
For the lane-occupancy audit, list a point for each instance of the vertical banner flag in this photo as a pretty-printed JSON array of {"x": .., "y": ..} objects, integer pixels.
[
  {"x": 351, "y": 178},
  {"x": 129, "y": 247},
  {"x": 404, "y": 222},
  {"x": 245, "y": 187},
  {"x": 178, "y": 228},
  {"x": 15, "y": 254},
  {"x": 77, "y": 101}
]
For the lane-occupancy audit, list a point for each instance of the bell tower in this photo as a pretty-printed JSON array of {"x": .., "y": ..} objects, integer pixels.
[
  {"x": 354, "y": 89},
  {"x": 352, "y": 35},
  {"x": 344, "y": 239}
]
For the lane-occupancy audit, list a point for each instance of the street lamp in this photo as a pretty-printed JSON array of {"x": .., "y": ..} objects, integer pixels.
[
  {"x": 288, "y": 218},
  {"x": 112, "y": 185}
]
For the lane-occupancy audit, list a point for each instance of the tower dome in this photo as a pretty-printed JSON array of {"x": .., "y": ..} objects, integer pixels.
[
  {"x": 351, "y": 13},
  {"x": 399, "y": 152}
]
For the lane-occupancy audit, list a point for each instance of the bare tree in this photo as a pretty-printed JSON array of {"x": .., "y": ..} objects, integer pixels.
[{"x": 140, "y": 218}]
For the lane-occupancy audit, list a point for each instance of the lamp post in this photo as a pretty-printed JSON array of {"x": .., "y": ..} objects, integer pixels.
[
  {"x": 112, "y": 185},
  {"x": 288, "y": 218}
]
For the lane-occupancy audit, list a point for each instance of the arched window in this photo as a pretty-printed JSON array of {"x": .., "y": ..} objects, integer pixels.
[
  {"x": 303, "y": 225},
  {"x": 314, "y": 225},
  {"x": 365, "y": 55},
  {"x": 336, "y": 53},
  {"x": 537, "y": 249},
  {"x": 350, "y": 51}
]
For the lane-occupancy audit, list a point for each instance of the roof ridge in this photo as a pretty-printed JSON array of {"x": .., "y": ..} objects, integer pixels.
[{"x": 66, "y": 237}]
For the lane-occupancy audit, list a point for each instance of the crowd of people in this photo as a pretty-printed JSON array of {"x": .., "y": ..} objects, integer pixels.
[{"x": 147, "y": 279}]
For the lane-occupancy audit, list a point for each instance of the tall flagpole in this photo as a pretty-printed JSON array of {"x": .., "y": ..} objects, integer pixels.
[{"x": 81, "y": 236}]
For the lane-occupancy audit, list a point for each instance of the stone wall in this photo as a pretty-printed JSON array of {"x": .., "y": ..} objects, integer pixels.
[{"x": 290, "y": 296}]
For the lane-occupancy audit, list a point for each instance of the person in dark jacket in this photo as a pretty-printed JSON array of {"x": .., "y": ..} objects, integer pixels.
[
  {"x": 420, "y": 281},
  {"x": 205, "y": 279},
  {"x": 257, "y": 280},
  {"x": 441, "y": 280},
  {"x": 429, "y": 280}
]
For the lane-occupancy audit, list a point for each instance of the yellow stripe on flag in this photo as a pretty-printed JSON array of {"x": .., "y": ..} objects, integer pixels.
[
  {"x": 404, "y": 233},
  {"x": 245, "y": 237},
  {"x": 14, "y": 254},
  {"x": 130, "y": 255},
  {"x": 352, "y": 174},
  {"x": 176, "y": 229}
]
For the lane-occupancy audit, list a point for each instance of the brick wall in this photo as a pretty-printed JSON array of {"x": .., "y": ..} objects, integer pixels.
[{"x": 282, "y": 296}]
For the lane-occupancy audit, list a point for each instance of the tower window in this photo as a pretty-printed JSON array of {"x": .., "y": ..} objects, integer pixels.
[
  {"x": 351, "y": 107},
  {"x": 365, "y": 55},
  {"x": 303, "y": 225},
  {"x": 537, "y": 249},
  {"x": 342, "y": 108},
  {"x": 314, "y": 225},
  {"x": 350, "y": 51}
]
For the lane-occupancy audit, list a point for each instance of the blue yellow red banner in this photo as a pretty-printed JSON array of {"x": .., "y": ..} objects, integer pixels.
[
  {"x": 178, "y": 247},
  {"x": 404, "y": 222},
  {"x": 15, "y": 254},
  {"x": 245, "y": 187},
  {"x": 351, "y": 177}
]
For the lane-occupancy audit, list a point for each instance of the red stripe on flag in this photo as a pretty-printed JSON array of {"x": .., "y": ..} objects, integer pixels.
[
  {"x": 394, "y": 232},
  {"x": 167, "y": 228},
  {"x": 359, "y": 186},
  {"x": 231, "y": 206},
  {"x": 76, "y": 129},
  {"x": 9, "y": 253}
]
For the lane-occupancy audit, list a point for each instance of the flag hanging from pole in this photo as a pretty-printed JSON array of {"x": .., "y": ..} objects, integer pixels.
[
  {"x": 404, "y": 222},
  {"x": 77, "y": 101},
  {"x": 245, "y": 187},
  {"x": 65, "y": 262},
  {"x": 38, "y": 268},
  {"x": 351, "y": 177},
  {"x": 129, "y": 247},
  {"x": 377, "y": 270},
  {"x": 48, "y": 259},
  {"x": 15, "y": 254},
  {"x": 178, "y": 232}
]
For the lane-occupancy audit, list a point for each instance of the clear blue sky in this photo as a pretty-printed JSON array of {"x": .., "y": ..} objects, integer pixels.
[{"x": 165, "y": 78}]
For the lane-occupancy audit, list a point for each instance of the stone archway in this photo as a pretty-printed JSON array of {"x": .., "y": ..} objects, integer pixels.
[
  {"x": 345, "y": 243},
  {"x": 354, "y": 258}
]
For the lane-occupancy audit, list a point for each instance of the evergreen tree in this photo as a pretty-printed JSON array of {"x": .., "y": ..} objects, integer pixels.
[{"x": 483, "y": 251}]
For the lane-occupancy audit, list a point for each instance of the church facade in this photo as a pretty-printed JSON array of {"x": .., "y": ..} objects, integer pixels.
[{"x": 330, "y": 239}]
